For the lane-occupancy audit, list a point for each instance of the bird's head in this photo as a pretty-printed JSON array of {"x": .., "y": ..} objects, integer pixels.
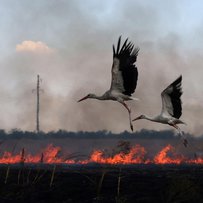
[
  {"x": 139, "y": 117},
  {"x": 87, "y": 97}
]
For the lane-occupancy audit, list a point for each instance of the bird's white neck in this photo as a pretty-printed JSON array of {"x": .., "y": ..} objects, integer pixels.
[
  {"x": 102, "y": 97},
  {"x": 154, "y": 119}
]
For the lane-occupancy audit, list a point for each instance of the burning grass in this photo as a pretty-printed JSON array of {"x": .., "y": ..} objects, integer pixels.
[
  {"x": 125, "y": 173},
  {"x": 124, "y": 154}
]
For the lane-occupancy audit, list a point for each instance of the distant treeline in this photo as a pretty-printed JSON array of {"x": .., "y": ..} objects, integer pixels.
[{"x": 142, "y": 134}]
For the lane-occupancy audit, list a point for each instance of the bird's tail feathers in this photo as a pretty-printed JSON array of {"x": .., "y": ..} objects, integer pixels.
[
  {"x": 135, "y": 99},
  {"x": 181, "y": 122}
]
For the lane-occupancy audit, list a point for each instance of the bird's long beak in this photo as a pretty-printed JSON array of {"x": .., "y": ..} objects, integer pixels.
[
  {"x": 139, "y": 117},
  {"x": 83, "y": 98}
]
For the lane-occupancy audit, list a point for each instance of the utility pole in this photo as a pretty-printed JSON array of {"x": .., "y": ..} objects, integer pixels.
[
  {"x": 38, "y": 90},
  {"x": 37, "y": 115}
]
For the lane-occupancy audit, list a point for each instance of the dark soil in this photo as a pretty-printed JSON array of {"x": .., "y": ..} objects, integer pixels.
[{"x": 94, "y": 183}]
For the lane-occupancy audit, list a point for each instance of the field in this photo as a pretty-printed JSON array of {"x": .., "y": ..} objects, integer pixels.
[
  {"x": 94, "y": 169},
  {"x": 101, "y": 183}
]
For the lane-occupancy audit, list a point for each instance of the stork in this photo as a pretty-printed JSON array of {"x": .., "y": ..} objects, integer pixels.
[
  {"x": 171, "y": 108},
  {"x": 124, "y": 76}
]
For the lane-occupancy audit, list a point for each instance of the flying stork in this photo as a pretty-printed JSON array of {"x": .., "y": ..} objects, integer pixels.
[
  {"x": 124, "y": 76},
  {"x": 171, "y": 107}
]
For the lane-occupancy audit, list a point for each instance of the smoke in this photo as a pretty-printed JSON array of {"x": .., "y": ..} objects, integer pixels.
[
  {"x": 85, "y": 142},
  {"x": 79, "y": 38}
]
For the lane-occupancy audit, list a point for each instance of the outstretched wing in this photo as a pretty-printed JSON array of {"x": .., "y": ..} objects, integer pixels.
[
  {"x": 171, "y": 99},
  {"x": 124, "y": 72}
]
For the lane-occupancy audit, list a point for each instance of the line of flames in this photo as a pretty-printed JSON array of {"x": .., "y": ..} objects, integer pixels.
[{"x": 136, "y": 155}]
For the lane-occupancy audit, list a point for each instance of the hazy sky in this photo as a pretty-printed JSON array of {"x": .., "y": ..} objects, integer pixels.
[{"x": 69, "y": 43}]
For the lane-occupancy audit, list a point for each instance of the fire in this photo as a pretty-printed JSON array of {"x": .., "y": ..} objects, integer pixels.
[
  {"x": 9, "y": 158},
  {"x": 49, "y": 156},
  {"x": 135, "y": 155},
  {"x": 162, "y": 158}
]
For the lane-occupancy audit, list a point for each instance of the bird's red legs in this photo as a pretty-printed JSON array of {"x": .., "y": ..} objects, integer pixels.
[
  {"x": 129, "y": 112},
  {"x": 185, "y": 142}
]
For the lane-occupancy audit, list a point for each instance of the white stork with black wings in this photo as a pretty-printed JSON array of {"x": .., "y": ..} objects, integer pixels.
[
  {"x": 124, "y": 76},
  {"x": 171, "y": 107}
]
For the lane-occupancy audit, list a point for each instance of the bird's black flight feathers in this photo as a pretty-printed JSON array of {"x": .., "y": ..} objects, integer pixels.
[
  {"x": 127, "y": 56},
  {"x": 175, "y": 96}
]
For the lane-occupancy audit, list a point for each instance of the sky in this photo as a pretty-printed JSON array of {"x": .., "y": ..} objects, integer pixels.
[{"x": 69, "y": 44}]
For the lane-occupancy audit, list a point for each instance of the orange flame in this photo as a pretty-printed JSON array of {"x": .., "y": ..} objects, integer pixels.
[
  {"x": 136, "y": 155},
  {"x": 162, "y": 158}
]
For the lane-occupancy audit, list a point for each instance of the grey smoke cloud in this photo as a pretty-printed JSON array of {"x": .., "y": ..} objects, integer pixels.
[{"x": 81, "y": 36}]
